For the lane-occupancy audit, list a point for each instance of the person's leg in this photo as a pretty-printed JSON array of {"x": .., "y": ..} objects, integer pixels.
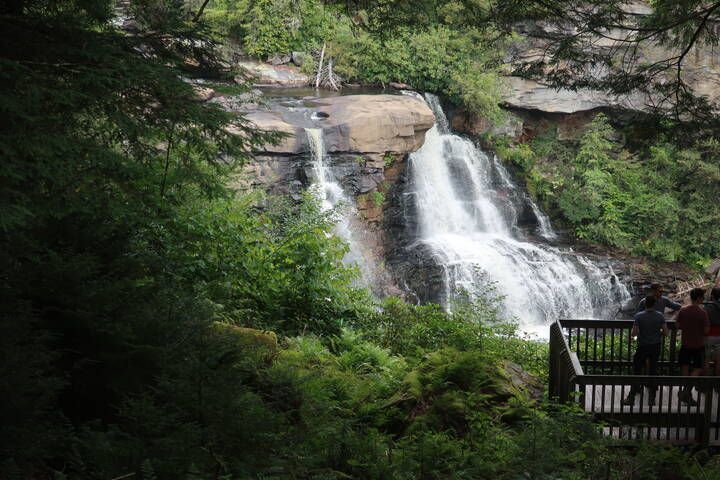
[
  {"x": 684, "y": 359},
  {"x": 638, "y": 364},
  {"x": 699, "y": 363},
  {"x": 696, "y": 364},
  {"x": 653, "y": 357}
]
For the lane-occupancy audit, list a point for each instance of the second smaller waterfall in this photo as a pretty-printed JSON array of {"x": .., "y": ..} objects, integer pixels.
[{"x": 331, "y": 195}]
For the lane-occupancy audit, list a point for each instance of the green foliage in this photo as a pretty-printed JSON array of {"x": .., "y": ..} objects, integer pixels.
[
  {"x": 440, "y": 56},
  {"x": 438, "y": 59},
  {"x": 655, "y": 201},
  {"x": 378, "y": 198},
  {"x": 266, "y": 27}
]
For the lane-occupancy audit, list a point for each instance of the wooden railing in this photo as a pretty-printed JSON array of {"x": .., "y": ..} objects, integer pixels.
[{"x": 591, "y": 364}]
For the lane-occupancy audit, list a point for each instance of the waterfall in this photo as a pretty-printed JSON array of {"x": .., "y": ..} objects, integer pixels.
[
  {"x": 544, "y": 227},
  {"x": 468, "y": 224},
  {"x": 331, "y": 195}
]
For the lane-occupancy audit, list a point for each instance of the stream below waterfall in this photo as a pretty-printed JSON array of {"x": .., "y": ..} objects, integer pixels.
[{"x": 467, "y": 206}]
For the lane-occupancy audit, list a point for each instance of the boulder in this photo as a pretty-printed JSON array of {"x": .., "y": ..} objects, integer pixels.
[
  {"x": 299, "y": 58},
  {"x": 293, "y": 141},
  {"x": 371, "y": 124},
  {"x": 233, "y": 343},
  {"x": 278, "y": 59},
  {"x": 244, "y": 102},
  {"x": 473, "y": 124},
  {"x": 203, "y": 94},
  {"x": 519, "y": 380},
  {"x": 399, "y": 86},
  {"x": 714, "y": 271},
  {"x": 273, "y": 75},
  {"x": 375, "y": 123}
]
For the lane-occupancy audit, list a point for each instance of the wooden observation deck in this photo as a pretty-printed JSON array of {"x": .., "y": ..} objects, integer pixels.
[{"x": 591, "y": 365}]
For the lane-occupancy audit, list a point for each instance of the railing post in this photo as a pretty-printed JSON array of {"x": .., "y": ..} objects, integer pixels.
[
  {"x": 672, "y": 360},
  {"x": 552, "y": 374},
  {"x": 706, "y": 417}
]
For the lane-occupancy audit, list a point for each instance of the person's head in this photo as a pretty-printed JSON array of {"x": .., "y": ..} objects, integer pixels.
[
  {"x": 715, "y": 294},
  {"x": 697, "y": 295},
  {"x": 650, "y": 301},
  {"x": 656, "y": 289}
]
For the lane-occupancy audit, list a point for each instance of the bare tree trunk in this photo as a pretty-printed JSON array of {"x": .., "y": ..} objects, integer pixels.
[
  {"x": 331, "y": 77},
  {"x": 320, "y": 67}
]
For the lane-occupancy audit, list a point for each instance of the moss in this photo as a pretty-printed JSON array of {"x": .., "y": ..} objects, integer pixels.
[{"x": 378, "y": 198}]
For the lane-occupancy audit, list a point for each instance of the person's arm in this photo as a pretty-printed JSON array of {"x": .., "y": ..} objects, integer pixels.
[
  {"x": 674, "y": 306},
  {"x": 664, "y": 330},
  {"x": 635, "y": 331},
  {"x": 640, "y": 306}
]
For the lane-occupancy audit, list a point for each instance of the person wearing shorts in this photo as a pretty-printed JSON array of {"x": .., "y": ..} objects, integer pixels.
[
  {"x": 649, "y": 327},
  {"x": 693, "y": 322},
  {"x": 712, "y": 343}
]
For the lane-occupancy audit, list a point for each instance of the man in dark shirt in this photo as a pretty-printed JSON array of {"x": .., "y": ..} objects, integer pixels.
[
  {"x": 662, "y": 302},
  {"x": 693, "y": 322},
  {"x": 649, "y": 327},
  {"x": 712, "y": 342}
]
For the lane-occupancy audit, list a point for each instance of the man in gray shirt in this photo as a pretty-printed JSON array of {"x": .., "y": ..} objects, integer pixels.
[
  {"x": 649, "y": 327},
  {"x": 661, "y": 302}
]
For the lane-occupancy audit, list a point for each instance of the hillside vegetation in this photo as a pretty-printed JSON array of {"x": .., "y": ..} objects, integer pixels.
[{"x": 628, "y": 189}]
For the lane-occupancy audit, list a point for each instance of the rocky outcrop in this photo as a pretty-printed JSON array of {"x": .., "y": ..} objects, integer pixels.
[
  {"x": 532, "y": 95},
  {"x": 375, "y": 123},
  {"x": 368, "y": 124}
]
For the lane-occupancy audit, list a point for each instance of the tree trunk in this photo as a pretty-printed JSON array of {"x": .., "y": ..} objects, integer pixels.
[{"x": 320, "y": 68}]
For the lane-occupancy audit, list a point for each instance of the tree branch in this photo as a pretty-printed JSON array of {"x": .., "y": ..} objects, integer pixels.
[{"x": 200, "y": 11}]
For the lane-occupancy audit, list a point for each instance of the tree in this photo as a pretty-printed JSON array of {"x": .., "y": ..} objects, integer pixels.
[{"x": 102, "y": 144}]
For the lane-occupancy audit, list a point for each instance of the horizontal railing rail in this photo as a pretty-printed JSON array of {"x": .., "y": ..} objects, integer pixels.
[{"x": 606, "y": 346}]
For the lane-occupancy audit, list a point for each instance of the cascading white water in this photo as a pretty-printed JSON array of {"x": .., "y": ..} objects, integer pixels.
[
  {"x": 544, "y": 227},
  {"x": 469, "y": 227},
  {"x": 331, "y": 195}
]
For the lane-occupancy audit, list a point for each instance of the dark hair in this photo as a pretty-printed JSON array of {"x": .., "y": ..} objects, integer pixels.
[
  {"x": 650, "y": 302},
  {"x": 715, "y": 293},
  {"x": 656, "y": 286},
  {"x": 697, "y": 294}
]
